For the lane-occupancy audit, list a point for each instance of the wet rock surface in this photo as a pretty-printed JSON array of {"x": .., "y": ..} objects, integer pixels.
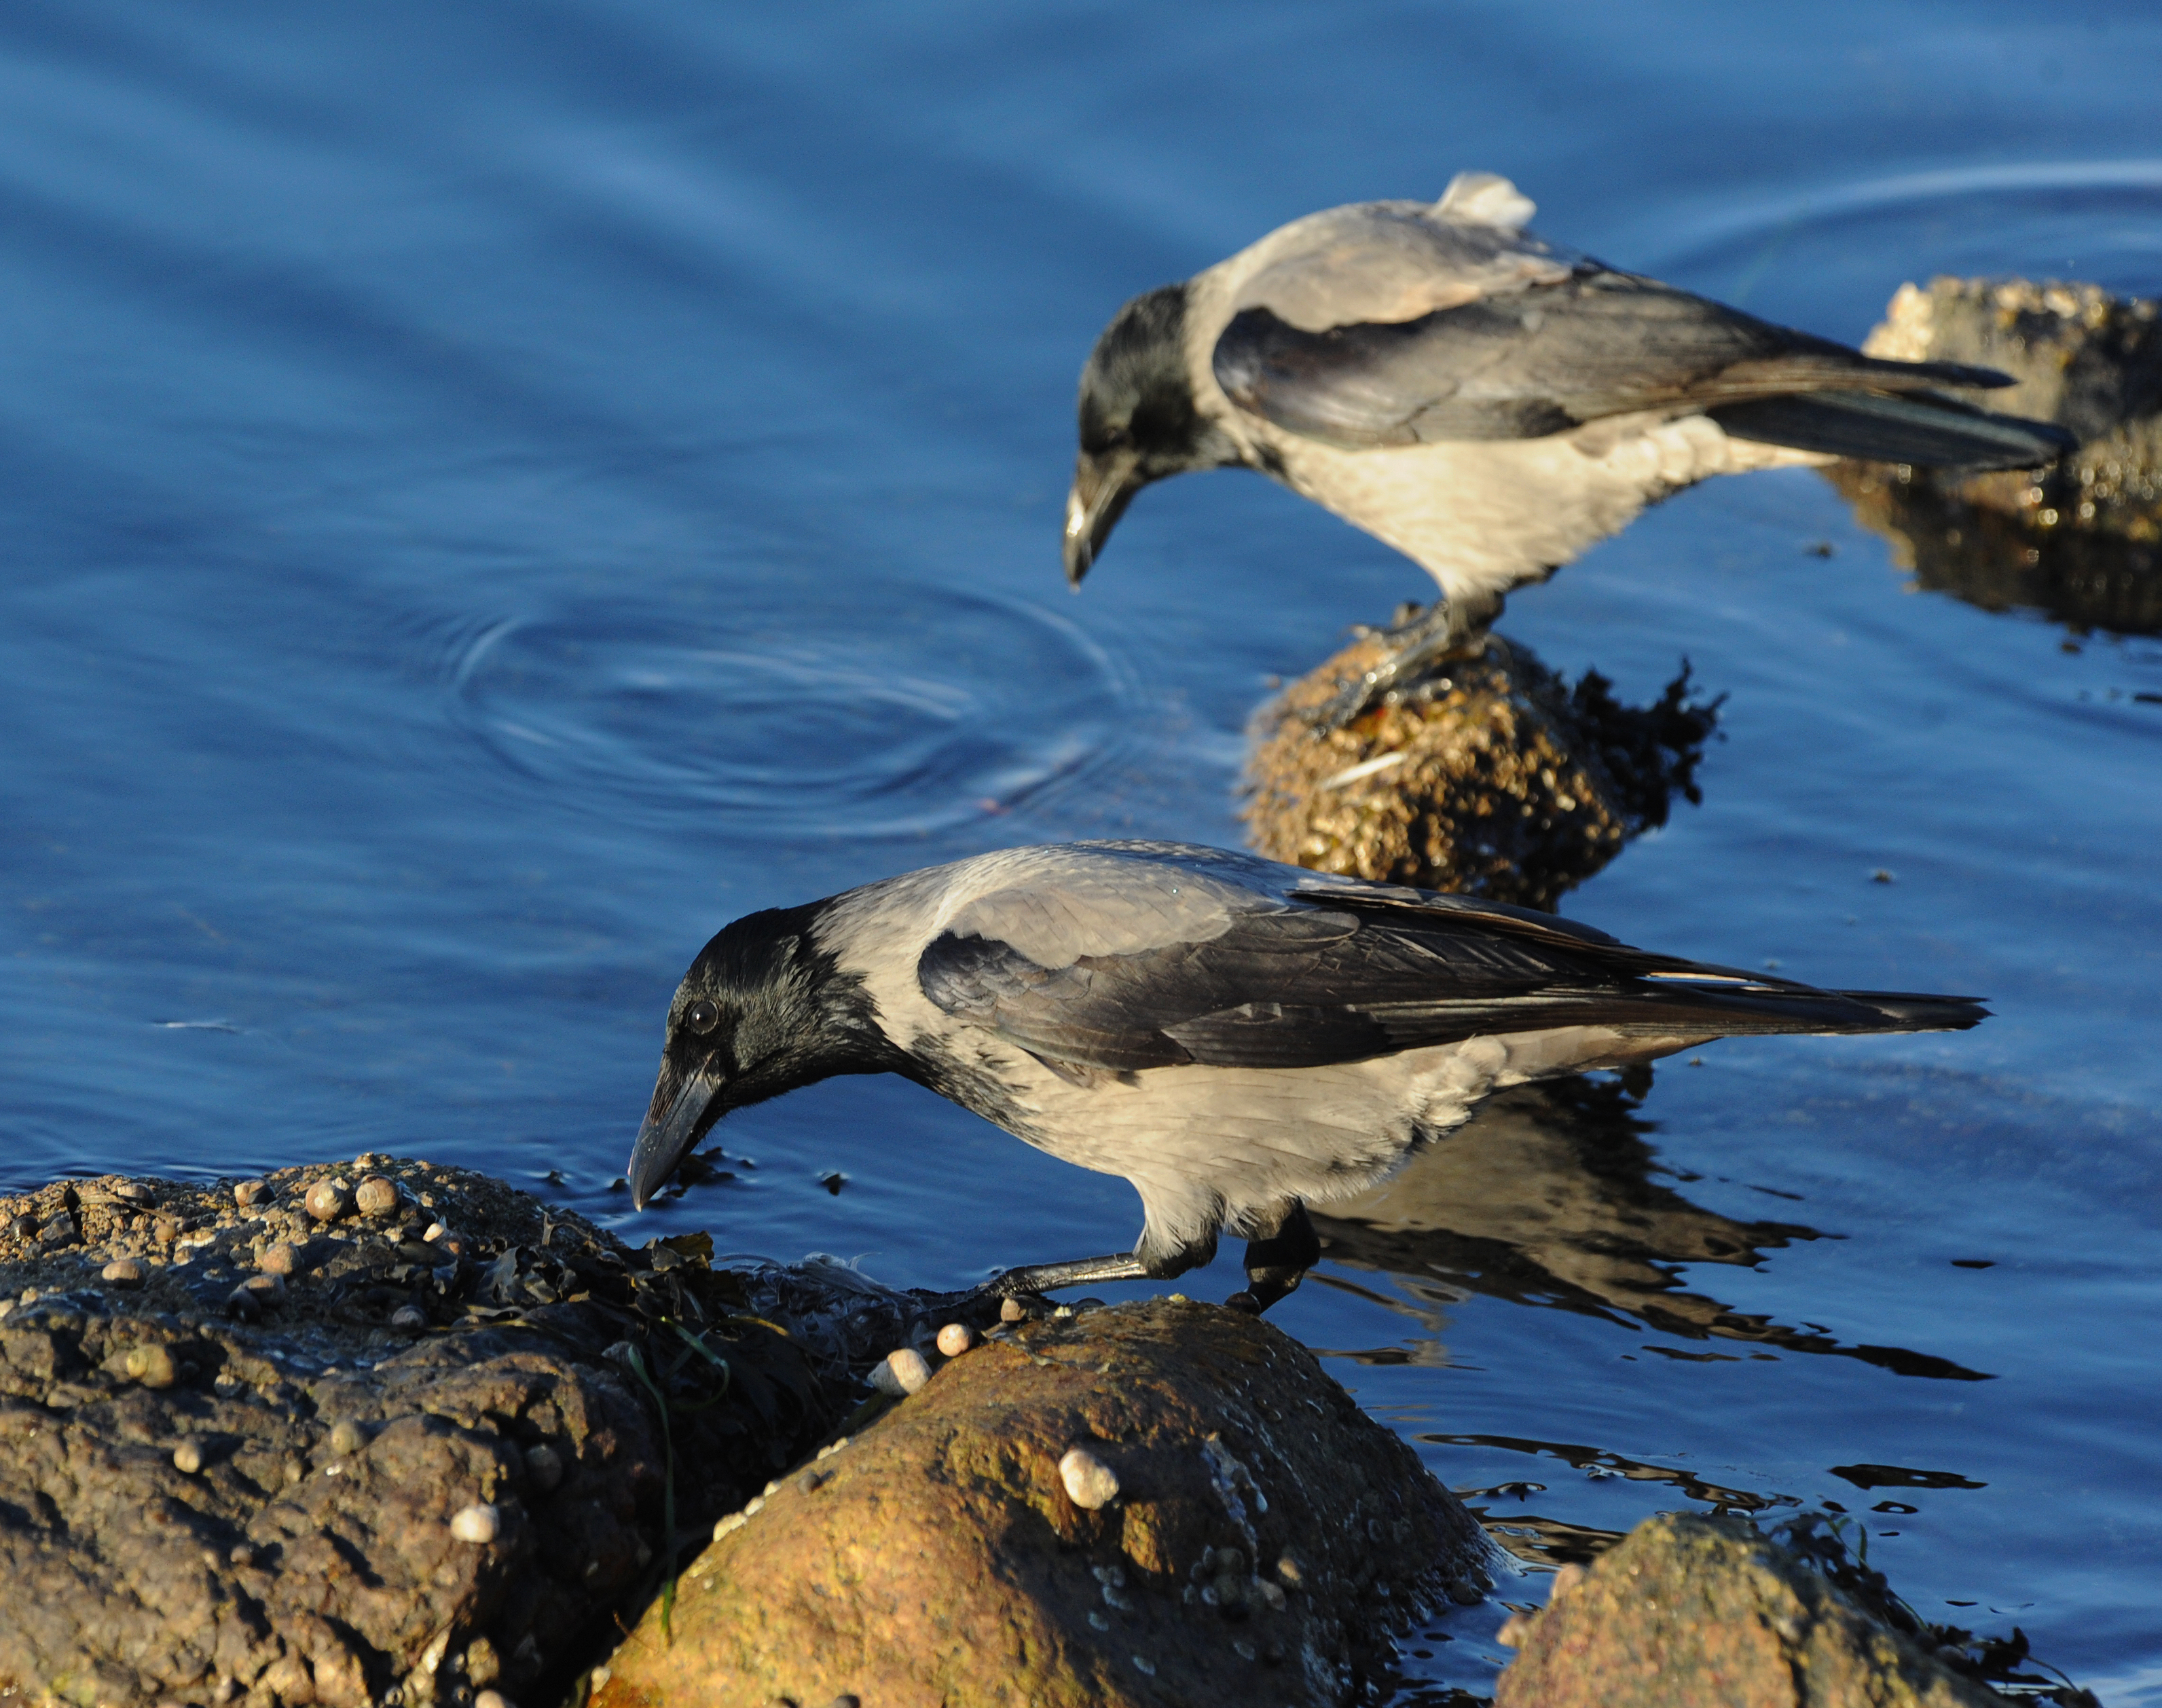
[
  {"x": 1690, "y": 1612},
  {"x": 2083, "y": 541},
  {"x": 293, "y": 1459},
  {"x": 1257, "y": 1540},
  {"x": 1490, "y": 775}
]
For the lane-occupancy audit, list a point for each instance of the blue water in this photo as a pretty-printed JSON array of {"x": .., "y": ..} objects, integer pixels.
[{"x": 491, "y": 493}]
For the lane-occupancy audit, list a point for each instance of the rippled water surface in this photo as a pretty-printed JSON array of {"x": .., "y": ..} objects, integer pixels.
[{"x": 492, "y": 493}]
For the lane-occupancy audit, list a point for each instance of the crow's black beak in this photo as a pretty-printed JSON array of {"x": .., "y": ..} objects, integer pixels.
[
  {"x": 1103, "y": 487},
  {"x": 675, "y": 1121}
]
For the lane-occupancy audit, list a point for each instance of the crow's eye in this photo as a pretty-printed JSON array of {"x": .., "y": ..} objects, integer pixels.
[
  {"x": 1118, "y": 439},
  {"x": 701, "y": 1016}
]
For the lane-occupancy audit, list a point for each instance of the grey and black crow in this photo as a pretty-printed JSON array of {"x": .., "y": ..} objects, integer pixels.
[
  {"x": 1490, "y": 403},
  {"x": 1236, "y": 1038}
]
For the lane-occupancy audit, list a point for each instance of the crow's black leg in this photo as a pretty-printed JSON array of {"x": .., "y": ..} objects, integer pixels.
[
  {"x": 1439, "y": 630},
  {"x": 1276, "y": 1262}
]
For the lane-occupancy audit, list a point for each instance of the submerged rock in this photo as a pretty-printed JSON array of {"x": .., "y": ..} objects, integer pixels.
[
  {"x": 2083, "y": 541},
  {"x": 1490, "y": 775},
  {"x": 311, "y": 1502},
  {"x": 1692, "y": 1612},
  {"x": 1265, "y": 1537}
]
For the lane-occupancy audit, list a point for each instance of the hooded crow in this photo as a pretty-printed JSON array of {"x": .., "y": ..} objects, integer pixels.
[
  {"x": 1490, "y": 403},
  {"x": 1236, "y": 1038}
]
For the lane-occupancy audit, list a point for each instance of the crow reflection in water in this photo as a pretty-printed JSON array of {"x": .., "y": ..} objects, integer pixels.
[{"x": 1546, "y": 1197}]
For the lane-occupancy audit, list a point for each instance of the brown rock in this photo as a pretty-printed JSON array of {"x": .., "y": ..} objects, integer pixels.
[
  {"x": 300, "y": 1549},
  {"x": 937, "y": 1558},
  {"x": 1490, "y": 775},
  {"x": 122, "y": 1271},
  {"x": 279, "y": 1259},
  {"x": 1707, "y": 1613},
  {"x": 2081, "y": 541},
  {"x": 248, "y": 1194}
]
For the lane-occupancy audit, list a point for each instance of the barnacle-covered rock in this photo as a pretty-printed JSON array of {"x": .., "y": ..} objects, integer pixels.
[
  {"x": 401, "y": 1464},
  {"x": 1490, "y": 775},
  {"x": 1693, "y": 1611},
  {"x": 2083, "y": 540}
]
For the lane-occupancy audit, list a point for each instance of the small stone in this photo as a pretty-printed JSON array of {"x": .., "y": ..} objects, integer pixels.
[
  {"x": 1097, "y": 1621},
  {"x": 1231, "y": 1560},
  {"x": 250, "y": 1192},
  {"x": 268, "y": 1290},
  {"x": 242, "y": 1304},
  {"x": 955, "y": 1339},
  {"x": 1090, "y": 1484},
  {"x": 734, "y": 1521},
  {"x": 479, "y": 1522},
  {"x": 492, "y": 1699},
  {"x": 1245, "y": 1650},
  {"x": 347, "y": 1439},
  {"x": 188, "y": 1458},
  {"x": 435, "y": 1232},
  {"x": 1144, "y": 1666},
  {"x": 328, "y": 1199},
  {"x": 754, "y": 1506},
  {"x": 122, "y": 1271},
  {"x": 1289, "y": 1572},
  {"x": 408, "y": 1316},
  {"x": 24, "y": 1227},
  {"x": 1272, "y": 1595},
  {"x": 151, "y": 1366},
  {"x": 376, "y": 1196},
  {"x": 1012, "y": 1310},
  {"x": 544, "y": 1464},
  {"x": 133, "y": 1192},
  {"x": 903, "y": 1371}
]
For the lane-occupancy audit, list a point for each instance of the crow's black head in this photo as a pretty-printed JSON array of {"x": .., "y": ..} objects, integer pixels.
[
  {"x": 1138, "y": 421},
  {"x": 763, "y": 1010}
]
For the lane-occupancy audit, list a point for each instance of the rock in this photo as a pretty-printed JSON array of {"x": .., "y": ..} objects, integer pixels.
[
  {"x": 248, "y": 1194},
  {"x": 279, "y": 1259},
  {"x": 122, "y": 1271},
  {"x": 197, "y": 1508},
  {"x": 2083, "y": 540},
  {"x": 376, "y": 1196},
  {"x": 1489, "y": 775},
  {"x": 329, "y": 1200},
  {"x": 939, "y": 1558},
  {"x": 1690, "y": 1612},
  {"x": 1090, "y": 1484},
  {"x": 479, "y": 1522}
]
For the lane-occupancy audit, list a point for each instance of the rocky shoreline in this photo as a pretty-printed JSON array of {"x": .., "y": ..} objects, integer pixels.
[{"x": 393, "y": 1434}]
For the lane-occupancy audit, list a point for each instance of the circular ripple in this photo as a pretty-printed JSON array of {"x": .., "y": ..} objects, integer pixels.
[
  {"x": 912, "y": 711},
  {"x": 1839, "y": 250}
]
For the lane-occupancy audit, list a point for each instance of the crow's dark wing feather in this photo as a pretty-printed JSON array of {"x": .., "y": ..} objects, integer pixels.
[
  {"x": 1538, "y": 361},
  {"x": 1303, "y": 987}
]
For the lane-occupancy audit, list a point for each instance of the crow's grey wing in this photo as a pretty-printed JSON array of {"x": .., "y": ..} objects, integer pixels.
[
  {"x": 1540, "y": 360},
  {"x": 1353, "y": 975}
]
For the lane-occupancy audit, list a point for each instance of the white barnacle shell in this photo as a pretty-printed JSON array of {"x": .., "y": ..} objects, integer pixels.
[
  {"x": 902, "y": 1372},
  {"x": 1090, "y": 1483}
]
